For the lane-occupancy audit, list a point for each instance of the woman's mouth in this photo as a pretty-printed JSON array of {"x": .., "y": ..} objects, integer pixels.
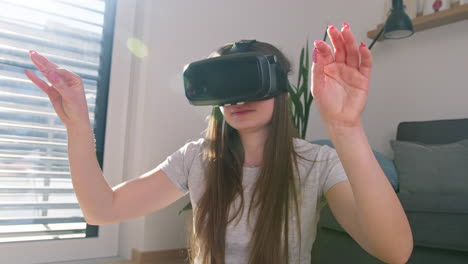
[{"x": 242, "y": 112}]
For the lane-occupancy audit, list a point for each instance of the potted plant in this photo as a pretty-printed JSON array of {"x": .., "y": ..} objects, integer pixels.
[{"x": 300, "y": 97}]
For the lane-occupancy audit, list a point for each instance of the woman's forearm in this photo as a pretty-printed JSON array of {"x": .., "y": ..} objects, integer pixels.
[
  {"x": 379, "y": 210},
  {"x": 92, "y": 190}
]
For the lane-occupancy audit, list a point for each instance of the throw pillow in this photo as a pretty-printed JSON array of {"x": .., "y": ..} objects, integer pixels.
[{"x": 432, "y": 168}]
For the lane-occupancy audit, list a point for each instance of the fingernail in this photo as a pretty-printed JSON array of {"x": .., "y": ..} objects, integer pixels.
[
  {"x": 53, "y": 77},
  {"x": 32, "y": 51},
  {"x": 39, "y": 58},
  {"x": 330, "y": 26},
  {"x": 363, "y": 44},
  {"x": 314, "y": 56},
  {"x": 345, "y": 25},
  {"x": 318, "y": 42}
]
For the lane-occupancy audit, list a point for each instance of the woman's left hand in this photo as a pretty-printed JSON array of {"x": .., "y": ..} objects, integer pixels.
[{"x": 340, "y": 81}]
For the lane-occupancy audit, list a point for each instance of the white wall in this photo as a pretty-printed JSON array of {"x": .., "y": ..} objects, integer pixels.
[
  {"x": 419, "y": 78},
  {"x": 184, "y": 31}
]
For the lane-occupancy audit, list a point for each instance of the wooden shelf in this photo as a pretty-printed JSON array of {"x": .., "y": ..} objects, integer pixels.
[{"x": 420, "y": 23}]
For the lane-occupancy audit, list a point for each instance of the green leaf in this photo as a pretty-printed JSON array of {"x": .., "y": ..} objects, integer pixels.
[
  {"x": 326, "y": 34},
  {"x": 311, "y": 98},
  {"x": 305, "y": 90},
  {"x": 187, "y": 207},
  {"x": 297, "y": 116},
  {"x": 295, "y": 100},
  {"x": 299, "y": 110},
  {"x": 300, "y": 65},
  {"x": 291, "y": 90},
  {"x": 306, "y": 72}
]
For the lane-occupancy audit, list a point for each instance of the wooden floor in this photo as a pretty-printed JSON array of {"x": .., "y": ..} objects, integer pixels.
[
  {"x": 171, "y": 256},
  {"x": 180, "y": 261},
  {"x": 158, "y": 262}
]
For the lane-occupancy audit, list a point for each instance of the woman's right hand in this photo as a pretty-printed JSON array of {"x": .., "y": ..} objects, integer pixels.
[{"x": 66, "y": 92}]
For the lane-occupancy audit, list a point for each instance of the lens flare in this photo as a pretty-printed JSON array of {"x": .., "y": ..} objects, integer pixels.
[{"x": 137, "y": 47}]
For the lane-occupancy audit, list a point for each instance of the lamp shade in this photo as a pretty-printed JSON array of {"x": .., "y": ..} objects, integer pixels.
[{"x": 398, "y": 24}]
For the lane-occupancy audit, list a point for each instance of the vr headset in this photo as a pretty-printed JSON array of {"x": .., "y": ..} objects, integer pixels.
[{"x": 237, "y": 76}]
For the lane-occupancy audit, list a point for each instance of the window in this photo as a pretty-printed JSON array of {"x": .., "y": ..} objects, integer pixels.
[{"x": 37, "y": 201}]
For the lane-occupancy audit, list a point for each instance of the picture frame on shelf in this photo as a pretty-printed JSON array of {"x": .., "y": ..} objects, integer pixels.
[
  {"x": 433, "y": 6},
  {"x": 456, "y": 3}
]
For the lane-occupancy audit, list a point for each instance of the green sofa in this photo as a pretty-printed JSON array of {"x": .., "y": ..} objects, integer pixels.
[{"x": 439, "y": 222}]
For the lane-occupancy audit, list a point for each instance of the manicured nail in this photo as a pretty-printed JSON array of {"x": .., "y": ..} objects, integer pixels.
[
  {"x": 53, "y": 77},
  {"x": 32, "y": 51},
  {"x": 345, "y": 25},
  {"x": 317, "y": 43},
  {"x": 363, "y": 44},
  {"x": 330, "y": 26},
  {"x": 314, "y": 56},
  {"x": 39, "y": 58}
]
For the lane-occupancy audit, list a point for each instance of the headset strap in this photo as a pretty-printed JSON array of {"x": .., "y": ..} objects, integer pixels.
[{"x": 241, "y": 46}]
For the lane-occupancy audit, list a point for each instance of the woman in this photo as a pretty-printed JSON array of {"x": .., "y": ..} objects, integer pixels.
[{"x": 251, "y": 155}]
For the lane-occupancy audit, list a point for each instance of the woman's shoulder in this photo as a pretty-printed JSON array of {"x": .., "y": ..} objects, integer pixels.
[
  {"x": 317, "y": 149},
  {"x": 304, "y": 146},
  {"x": 196, "y": 143},
  {"x": 191, "y": 146}
]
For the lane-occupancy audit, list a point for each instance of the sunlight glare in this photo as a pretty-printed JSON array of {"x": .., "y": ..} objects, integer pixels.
[{"x": 137, "y": 47}]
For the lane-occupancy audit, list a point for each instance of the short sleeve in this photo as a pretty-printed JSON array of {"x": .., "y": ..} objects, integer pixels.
[
  {"x": 177, "y": 165},
  {"x": 333, "y": 172}
]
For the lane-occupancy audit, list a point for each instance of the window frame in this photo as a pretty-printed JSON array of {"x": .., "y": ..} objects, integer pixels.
[{"x": 116, "y": 73}]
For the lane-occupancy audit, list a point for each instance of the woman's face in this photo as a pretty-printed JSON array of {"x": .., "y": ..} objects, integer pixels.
[{"x": 249, "y": 116}]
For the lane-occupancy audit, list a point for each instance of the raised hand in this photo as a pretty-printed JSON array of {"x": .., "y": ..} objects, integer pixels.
[
  {"x": 66, "y": 92},
  {"x": 341, "y": 80}
]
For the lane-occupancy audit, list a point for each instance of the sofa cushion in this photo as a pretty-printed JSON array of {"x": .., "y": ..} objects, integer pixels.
[
  {"x": 386, "y": 164},
  {"x": 432, "y": 168},
  {"x": 437, "y": 220}
]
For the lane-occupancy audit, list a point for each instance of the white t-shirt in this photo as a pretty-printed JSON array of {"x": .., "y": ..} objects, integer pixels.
[{"x": 184, "y": 168}]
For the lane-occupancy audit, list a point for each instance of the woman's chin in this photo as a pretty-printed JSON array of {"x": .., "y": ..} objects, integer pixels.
[{"x": 246, "y": 127}]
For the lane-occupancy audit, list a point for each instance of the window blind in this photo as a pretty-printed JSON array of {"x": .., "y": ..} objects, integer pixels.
[{"x": 37, "y": 200}]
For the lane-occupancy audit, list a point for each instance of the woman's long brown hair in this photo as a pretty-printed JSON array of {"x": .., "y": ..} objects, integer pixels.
[{"x": 274, "y": 193}]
